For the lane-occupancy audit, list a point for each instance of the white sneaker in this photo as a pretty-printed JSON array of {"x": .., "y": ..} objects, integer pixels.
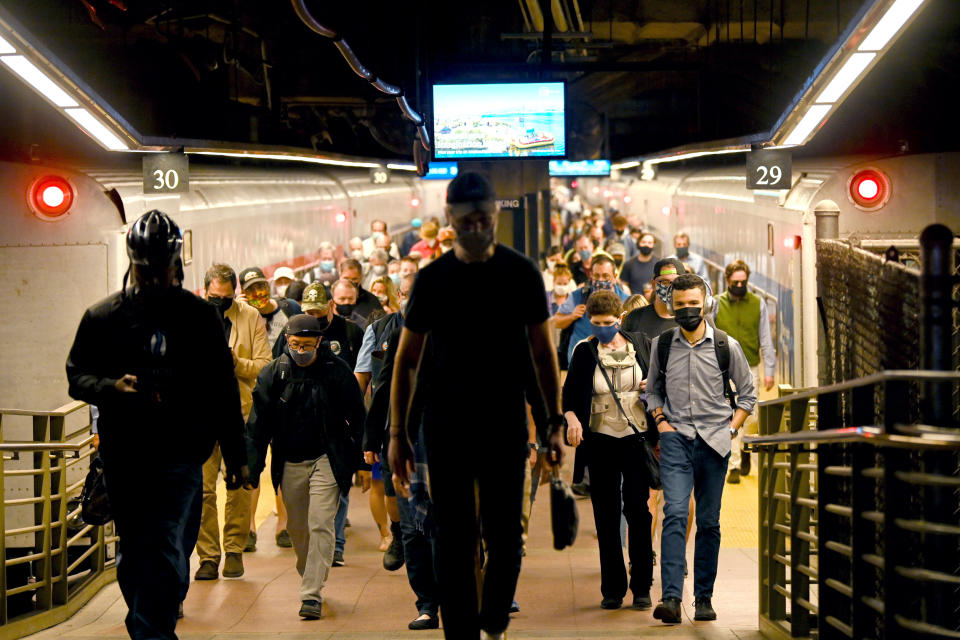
[{"x": 485, "y": 635}]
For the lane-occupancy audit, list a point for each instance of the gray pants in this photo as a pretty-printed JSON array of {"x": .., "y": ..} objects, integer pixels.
[{"x": 311, "y": 495}]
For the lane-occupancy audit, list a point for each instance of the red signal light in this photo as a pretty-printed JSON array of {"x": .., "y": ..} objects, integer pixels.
[
  {"x": 574, "y": 184},
  {"x": 50, "y": 197},
  {"x": 869, "y": 189},
  {"x": 341, "y": 217}
]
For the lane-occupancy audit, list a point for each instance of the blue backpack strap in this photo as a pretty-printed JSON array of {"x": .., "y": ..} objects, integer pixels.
[{"x": 721, "y": 346}]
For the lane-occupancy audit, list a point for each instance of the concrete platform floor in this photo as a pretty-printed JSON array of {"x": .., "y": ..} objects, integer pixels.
[{"x": 559, "y": 592}]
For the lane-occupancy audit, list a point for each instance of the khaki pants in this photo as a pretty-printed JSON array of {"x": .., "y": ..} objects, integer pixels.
[
  {"x": 749, "y": 425},
  {"x": 312, "y": 497},
  {"x": 236, "y": 525}
]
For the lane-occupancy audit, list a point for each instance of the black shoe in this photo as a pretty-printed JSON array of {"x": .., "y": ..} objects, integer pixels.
[
  {"x": 703, "y": 609},
  {"x": 338, "y": 558},
  {"x": 514, "y": 607},
  {"x": 283, "y": 539},
  {"x": 420, "y": 623},
  {"x": 233, "y": 566},
  {"x": 311, "y": 609},
  {"x": 208, "y": 571},
  {"x": 642, "y": 601},
  {"x": 393, "y": 556},
  {"x": 668, "y": 611},
  {"x": 580, "y": 489},
  {"x": 251, "y": 542},
  {"x": 180, "y": 612},
  {"x": 733, "y": 477},
  {"x": 611, "y": 603},
  {"x": 744, "y": 463}
]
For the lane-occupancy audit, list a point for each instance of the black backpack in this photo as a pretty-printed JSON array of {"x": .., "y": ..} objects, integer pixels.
[{"x": 721, "y": 346}]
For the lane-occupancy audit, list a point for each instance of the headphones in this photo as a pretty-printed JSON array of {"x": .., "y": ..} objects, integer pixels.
[{"x": 709, "y": 302}]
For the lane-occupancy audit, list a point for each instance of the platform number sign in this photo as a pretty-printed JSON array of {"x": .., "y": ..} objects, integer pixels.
[
  {"x": 166, "y": 173},
  {"x": 769, "y": 169},
  {"x": 379, "y": 175}
]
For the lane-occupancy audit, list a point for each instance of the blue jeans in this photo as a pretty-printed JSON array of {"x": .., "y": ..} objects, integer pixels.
[
  {"x": 419, "y": 551},
  {"x": 685, "y": 466},
  {"x": 340, "y": 522},
  {"x": 155, "y": 511}
]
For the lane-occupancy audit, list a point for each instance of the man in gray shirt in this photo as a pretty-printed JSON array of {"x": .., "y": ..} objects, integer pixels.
[{"x": 696, "y": 424}]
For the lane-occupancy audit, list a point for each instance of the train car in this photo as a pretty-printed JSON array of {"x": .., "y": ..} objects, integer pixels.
[{"x": 879, "y": 202}]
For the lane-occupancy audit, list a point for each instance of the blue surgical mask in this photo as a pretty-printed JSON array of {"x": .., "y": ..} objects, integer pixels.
[
  {"x": 327, "y": 265},
  {"x": 585, "y": 254},
  {"x": 605, "y": 334},
  {"x": 396, "y": 278},
  {"x": 302, "y": 359}
]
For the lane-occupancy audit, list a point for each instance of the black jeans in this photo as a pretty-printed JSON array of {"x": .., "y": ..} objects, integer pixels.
[
  {"x": 459, "y": 476},
  {"x": 419, "y": 551},
  {"x": 616, "y": 462}
]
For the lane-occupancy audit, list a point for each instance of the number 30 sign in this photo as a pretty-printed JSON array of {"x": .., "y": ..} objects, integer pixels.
[
  {"x": 769, "y": 169},
  {"x": 166, "y": 173}
]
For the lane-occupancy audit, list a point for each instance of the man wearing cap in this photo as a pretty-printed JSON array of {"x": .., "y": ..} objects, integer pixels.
[
  {"x": 282, "y": 278},
  {"x": 307, "y": 405},
  {"x": 411, "y": 237},
  {"x": 256, "y": 293},
  {"x": 342, "y": 336},
  {"x": 474, "y": 422},
  {"x": 656, "y": 318}
]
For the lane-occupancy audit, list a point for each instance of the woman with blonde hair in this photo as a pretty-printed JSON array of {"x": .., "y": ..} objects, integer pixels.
[{"x": 386, "y": 292}]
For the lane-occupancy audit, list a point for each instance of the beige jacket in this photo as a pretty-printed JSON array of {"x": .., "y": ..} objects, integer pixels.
[{"x": 248, "y": 339}]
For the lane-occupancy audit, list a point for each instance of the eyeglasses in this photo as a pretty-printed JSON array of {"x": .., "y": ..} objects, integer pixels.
[{"x": 301, "y": 348}]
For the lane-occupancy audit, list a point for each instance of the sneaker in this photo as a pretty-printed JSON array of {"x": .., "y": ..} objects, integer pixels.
[
  {"x": 642, "y": 601},
  {"x": 393, "y": 556},
  {"x": 338, "y": 558},
  {"x": 733, "y": 477},
  {"x": 311, "y": 609},
  {"x": 580, "y": 489},
  {"x": 703, "y": 609},
  {"x": 668, "y": 611},
  {"x": 424, "y": 621},
  {"x": 283, "y": 539},
  {"x": 514, "y": 607},
  {"x": 208, "y": 571},
  {"x": 251, "y": 542},
  {"x": 611, "y": 603},
  {"x": 744, "y": 463},
  {"x": 233, "y": 566}
]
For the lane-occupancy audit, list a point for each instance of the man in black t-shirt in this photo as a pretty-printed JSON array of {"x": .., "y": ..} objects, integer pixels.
[
  {"x": 639, "y": 270},
  {"x": 474, "y": 422},
  {"x": 656, "y": 318}
]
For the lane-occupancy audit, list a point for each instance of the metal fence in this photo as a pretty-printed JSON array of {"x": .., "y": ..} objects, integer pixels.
[{"x": 52, "y": 562}]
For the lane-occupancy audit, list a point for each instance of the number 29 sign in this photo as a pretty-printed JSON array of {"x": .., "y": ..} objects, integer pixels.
[
  {"x": 166, "y": 173},
  {"x": 769, "y": 169}
]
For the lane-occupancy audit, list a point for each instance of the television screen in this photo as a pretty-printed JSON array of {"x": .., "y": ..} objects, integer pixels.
[
  {"x": 441, "y": 171},
  {"x": 510, "y": 120},
  {"x": 579, "y": 168}
]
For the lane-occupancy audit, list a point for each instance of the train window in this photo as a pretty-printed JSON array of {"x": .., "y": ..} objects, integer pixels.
[
  {"x": 187, "y": 251},
  {"x": 770, "y": 242}
]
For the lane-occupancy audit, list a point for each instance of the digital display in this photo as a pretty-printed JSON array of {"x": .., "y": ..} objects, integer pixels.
[
  {"x": 441, "y": 171},
  {"x": 510, "y": 120},
  {"x": 575, "y": 168}
]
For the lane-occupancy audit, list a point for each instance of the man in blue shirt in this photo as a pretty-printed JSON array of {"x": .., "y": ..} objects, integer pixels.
[{"x": 573, "y": 310}]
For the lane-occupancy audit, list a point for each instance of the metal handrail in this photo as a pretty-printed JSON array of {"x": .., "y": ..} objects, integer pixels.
[
  {"x": 65, "y": 410},
  {"x": 46, "y": 446},
  {"x": 893, "y": 375},
  {"x": 870, "y": 435}
]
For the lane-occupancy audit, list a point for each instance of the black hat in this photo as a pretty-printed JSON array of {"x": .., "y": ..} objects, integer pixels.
[
  {"x": 470, "y": 187},
  {"x": 673, "y": 266},
  {"x": 154, "y": 240},
  {"x": 304, "y": 325},
  {"x": 251, "y": 275}
]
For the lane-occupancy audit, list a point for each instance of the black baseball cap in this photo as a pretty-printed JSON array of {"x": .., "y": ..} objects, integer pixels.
[
  {"x": 668, "y": 267},
  {"x": 470, "y": 186},
  {"x": 251, "y": 275},
  {"x": 304, "y": 325}
]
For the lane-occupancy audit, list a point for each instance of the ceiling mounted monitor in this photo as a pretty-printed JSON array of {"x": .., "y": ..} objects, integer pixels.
[
  {"x": 507, "y": 120},
  {"x": 579, "y": 168}
]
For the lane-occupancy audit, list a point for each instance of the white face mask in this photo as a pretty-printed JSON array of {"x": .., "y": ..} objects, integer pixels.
[
  {"x": 282, "y": 290},
  {"x": 564, "y": 289},
  {"x": 357, "y": 254}
]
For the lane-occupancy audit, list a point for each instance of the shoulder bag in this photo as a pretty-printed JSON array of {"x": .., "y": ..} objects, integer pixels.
[{"x": 94, "y": 503}]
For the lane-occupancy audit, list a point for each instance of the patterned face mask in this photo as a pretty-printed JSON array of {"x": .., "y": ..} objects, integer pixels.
[
  {"x": 663, "y": 292},
  {"x": 259, "y": 301}
]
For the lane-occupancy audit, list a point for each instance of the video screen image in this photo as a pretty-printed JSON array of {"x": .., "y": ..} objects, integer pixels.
[
  {"x": 575, "y": 168},
  {"x": 514, "y": 120}
]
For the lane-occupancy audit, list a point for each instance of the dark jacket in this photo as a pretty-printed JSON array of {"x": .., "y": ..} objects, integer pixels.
[
  {"x": 366, "y": 304},
  {"x": 187, "y": 396},
  {"x": 578, "y": 387},
  {"x": 326, "y": 389},
  {"x": 349, "y": 339}
]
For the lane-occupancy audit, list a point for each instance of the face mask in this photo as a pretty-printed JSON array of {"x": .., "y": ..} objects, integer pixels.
[
  {"x": 476, "y": 243},
  {"x": 326, "y": 266},
  {"x": 551, "y": 264},
  {"x": 302, "y": 359},
  {"x": 396, "y": 278},
  {"x": 564, "y": 289},
  {"x": 683, "y": 252},
  {"x": 605, "y": 334},
  {"x": 663, "y": 292},
  {"x": 688, "y": 318},
  {"x": 356, "y": 254},
  {"x": 738, "y": 289},
  {"x": 345, "y": 310},
  {"x": 602, "y": 285},
  {"x": 645, "y": 251},
  {"x": 282, "y": 290},
  {"x": 379, "y": 269},
  {"x": 258, "y": 302},
  {"x": 220, "y": 303},
  {"x": 585, "y": 254},
  {"x": 376, "y": 235}
]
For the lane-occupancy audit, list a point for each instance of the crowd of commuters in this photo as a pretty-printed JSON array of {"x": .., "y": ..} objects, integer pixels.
[{"x": 609, "y": 348}]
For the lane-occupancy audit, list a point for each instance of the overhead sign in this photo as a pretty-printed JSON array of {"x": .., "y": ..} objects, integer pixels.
[
  {"x": 576, "y": 168},
  {"x": 379, "y": 175},
  {"x": 166, "y": 173},
  {"x": 769, "y": 169},
  {"x": 442, "y": 171}
]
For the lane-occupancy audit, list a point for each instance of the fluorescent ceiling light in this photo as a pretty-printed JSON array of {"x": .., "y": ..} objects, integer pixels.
[
  {"x": 96, "y": 129},
  {"x": 888, "y": 26},
  {"x": 625, "y": 165},
  {"x": 6, "y": 47},
  {"x": 36, "y": 78},
  {"x": 401, "y": 167},
  {"x": 813, "y": 117},
  {"x": 846, "y": 76},
  {"x": 695, "y": 154},
  {"x": 286, "y": 157}
]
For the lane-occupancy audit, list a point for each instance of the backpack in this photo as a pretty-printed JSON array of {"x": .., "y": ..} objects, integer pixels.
[{"x": 721, "y": 346}]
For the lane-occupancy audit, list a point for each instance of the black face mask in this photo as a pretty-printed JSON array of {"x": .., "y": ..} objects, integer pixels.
[
  {"x": 345, "y": 310},
  {"x": 645, "y": 251},
  {"x": 738, "y": 290},
  {"x": 683, "y": 252},
  {"x": 475, "y": 242},
  {"x": 688, "y": 318},
  {"x": 220, "y": 303}
]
